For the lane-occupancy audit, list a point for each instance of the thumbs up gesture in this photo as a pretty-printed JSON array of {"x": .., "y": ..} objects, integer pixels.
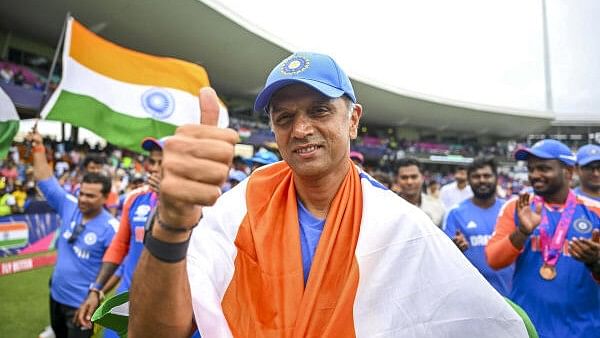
[
  {"x": 460, "y": 241},
  {"x": 587, "y": 251},
  {"x": 195, "y": 164}
]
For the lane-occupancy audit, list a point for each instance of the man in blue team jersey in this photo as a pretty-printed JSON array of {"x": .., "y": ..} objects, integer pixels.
[
  {"x": 553, "y": 238},
  {"x": 85, "y": 232},
  {"x": 588, "y": 170},
  {"x": 471, "y": 223},
  {"x": 127, "y": 246}
]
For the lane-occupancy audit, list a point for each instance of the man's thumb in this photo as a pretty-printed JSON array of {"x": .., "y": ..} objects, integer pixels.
[{"x": 209, "y": 106}]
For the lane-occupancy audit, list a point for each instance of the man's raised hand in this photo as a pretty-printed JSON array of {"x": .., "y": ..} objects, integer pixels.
[{"x": 195, "y": 164}]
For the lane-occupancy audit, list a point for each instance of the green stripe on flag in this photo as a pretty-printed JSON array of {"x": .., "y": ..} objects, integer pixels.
[
  {"x": 113, "y": 313},
  {"x": 8, "y": 130},
  {"x": 13, "y": 243},
  {"x": 117, "y": 128},
  {"x": 531, "y": 331}
]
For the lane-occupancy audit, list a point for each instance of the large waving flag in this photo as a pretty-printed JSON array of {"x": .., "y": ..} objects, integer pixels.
[
  {"x": 9, "y": 123},
  {"x": 124, "y": 95}
]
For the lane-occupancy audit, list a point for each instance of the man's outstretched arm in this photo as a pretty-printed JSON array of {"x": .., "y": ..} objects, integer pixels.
[{"x": 195, "y": 164}]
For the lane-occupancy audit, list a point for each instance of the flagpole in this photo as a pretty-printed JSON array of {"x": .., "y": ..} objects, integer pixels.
[
  {"x": 61, "y": 39},
  {"x": 547, "y": 65}
]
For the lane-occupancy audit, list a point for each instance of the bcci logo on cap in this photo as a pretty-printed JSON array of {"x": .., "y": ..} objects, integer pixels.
[
  {"x": 158, "y": 102},
  {"x": 295, "y": 65}
]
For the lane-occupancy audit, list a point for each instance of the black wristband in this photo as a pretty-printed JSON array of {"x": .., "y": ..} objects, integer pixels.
[
  {"x": 165, "y": 251},
  {"x": 523, "y": 232}
]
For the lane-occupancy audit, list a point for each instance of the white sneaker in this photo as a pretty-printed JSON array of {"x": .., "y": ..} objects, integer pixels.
[{"x": 47, "y": 333}]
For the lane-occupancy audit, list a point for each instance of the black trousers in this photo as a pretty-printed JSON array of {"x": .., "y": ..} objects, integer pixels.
[{"x": 61, "y": 320}]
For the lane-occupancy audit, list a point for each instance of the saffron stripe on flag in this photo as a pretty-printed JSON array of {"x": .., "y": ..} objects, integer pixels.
[
  {"x": 13, "y": 226},
  {"x": 127, "y": 98},
  {"x": 131, "y": 66}
]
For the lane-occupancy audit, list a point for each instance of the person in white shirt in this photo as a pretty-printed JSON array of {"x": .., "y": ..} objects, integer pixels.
[
  {"x": 410, "y": 180},
  {"x": 457, "y": 191}
]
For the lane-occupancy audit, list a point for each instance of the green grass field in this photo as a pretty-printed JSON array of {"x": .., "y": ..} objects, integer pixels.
[{"x": 24, "y": 299}]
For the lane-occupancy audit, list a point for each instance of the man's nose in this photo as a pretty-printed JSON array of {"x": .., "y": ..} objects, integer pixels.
[{"x": 302, "y": 126}]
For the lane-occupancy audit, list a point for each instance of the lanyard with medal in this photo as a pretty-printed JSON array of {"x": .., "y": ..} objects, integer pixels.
[{"x": 551, "y": 247}]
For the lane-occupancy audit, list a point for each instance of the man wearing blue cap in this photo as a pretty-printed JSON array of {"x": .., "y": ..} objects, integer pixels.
[
  {"x": 127, "y": 245},
  {"x": 307, "y": 247},
  {"x": 588, "y": 170},
  {"x": 553, "y": 238},
  {"x": 263, "y": 157}
]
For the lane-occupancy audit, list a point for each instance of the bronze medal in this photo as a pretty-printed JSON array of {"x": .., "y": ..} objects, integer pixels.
[{"x": 548, "y": 272}]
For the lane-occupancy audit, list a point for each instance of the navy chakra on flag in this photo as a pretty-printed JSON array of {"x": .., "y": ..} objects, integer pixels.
[
  {"x": 295, "y": 65},
  {"x": 158, "y": 102},
  {"x": 583, "y": 225}
]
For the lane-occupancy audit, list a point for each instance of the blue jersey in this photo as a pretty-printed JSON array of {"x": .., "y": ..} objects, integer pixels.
[
  {"x": 310, "y": 233},
  {"x": 129, "y": 242},
  {"x": 77, "y": 263},
  {"x": 477, "y": 225},
  {"x": 568, "y": 305},
  {"x": 579, "y": 192}
]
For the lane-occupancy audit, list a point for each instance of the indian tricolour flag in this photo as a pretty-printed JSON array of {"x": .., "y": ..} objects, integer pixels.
[
  {"x": 121, "y": 94},
  {"x": 9, "y": 123},
  {"x": 13, "y": 235},
  {"x": 114, "y": 314}
]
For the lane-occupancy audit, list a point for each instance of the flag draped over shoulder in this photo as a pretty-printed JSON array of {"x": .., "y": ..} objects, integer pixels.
[
  {"x": 121, "y": 94},
  {"x": 9, "y": 123}
]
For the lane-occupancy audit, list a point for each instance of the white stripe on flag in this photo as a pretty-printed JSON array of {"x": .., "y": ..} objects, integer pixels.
[
  {"x": 8, "y": 112},
  {"x": 14, "y": 234},
  {"x": 126, "y": 98},
  {"x": 121, "y": 310}
]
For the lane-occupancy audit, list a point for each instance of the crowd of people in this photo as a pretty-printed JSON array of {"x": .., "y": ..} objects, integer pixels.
[
  {"x": 361, "y": 260},
  {"x": 20, "y": 75}
]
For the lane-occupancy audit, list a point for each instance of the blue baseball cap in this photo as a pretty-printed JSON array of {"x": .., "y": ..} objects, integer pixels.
[
  {"x": 549, "y": 150},
  {"x": 318, "y": 71},
  {"x": 237, "y": 175},
  {"x": 264, "y": 157},
  {"x": 151, "y": 143},
  {"x": 588, "y": 154}
]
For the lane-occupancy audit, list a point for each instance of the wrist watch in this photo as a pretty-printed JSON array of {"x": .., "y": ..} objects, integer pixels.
[
  {"x": 95, "y": 287},
  {"x": 163, "y": 251}
]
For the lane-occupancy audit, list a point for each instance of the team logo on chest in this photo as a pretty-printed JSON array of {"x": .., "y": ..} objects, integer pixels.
[
  {"x": 90, "y": 238},
  {"x": 583, "y": 225},
  {"x": 141, "y": 212}
]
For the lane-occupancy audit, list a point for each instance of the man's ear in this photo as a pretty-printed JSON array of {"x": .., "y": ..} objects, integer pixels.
[{"x": 355, "y": 116}]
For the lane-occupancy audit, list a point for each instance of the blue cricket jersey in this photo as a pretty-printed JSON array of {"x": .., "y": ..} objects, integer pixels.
[
  {"x": 311, "y": 229},
  {"x": 477, "y": 225},
  {"x": 579, "y": 192},
  {"x": 78, "y": 263},
  {"x": 568, "y": 305}
]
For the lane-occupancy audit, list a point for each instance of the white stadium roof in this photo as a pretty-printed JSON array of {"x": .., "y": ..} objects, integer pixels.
[{"x": 466, "y": 66}]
